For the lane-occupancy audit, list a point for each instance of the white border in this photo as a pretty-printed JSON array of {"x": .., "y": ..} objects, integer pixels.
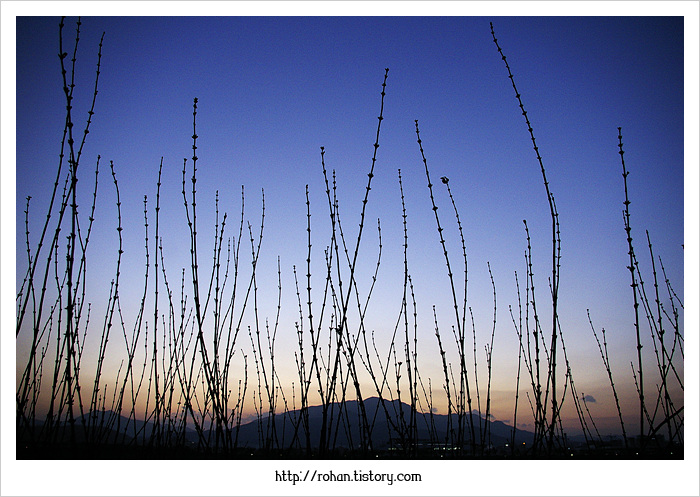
[{"x": 439, "y": 477}]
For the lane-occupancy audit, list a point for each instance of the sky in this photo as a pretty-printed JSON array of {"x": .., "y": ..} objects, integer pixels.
[{"x": 272, "y": 90}]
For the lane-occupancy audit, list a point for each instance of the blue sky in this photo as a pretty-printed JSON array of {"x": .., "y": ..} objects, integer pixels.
[{"x": 271, "y": 91}]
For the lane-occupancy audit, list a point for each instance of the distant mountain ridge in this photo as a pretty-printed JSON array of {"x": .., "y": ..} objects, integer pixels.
[
  {"x": 388, "y": 427},
  {"x": 388, "y": 423}
]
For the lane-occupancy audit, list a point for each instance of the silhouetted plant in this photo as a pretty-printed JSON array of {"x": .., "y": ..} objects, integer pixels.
[
  {"x": 552, "y": 362},
  {"x": 628, "y": 230},
  {"x": 464, "y": 379},
  {"x": 183, "y": 373},
  {"x": 606, "y": 362}
]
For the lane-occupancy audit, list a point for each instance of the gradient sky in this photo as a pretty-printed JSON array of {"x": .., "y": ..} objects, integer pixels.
[{"x": 272, "y": 91}]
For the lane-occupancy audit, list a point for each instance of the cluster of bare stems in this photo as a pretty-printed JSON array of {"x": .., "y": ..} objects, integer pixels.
[
  {"x": 194, "y": 373},
  {"x": 665, "y": 414}
]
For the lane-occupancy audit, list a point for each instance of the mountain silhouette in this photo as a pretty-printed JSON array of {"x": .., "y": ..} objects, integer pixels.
[{"x": 388, "y": 425}]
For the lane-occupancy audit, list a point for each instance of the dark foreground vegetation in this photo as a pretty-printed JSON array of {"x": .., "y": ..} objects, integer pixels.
[
  {"x": 504, "y": 442},
  {"x": 185, "y": 396},
  {"x": 87, "y": 451}
]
